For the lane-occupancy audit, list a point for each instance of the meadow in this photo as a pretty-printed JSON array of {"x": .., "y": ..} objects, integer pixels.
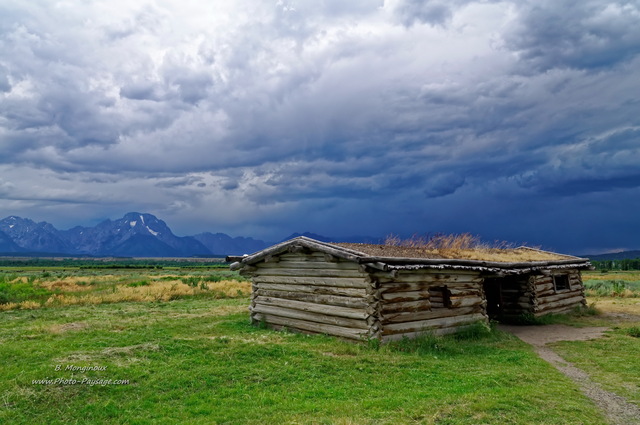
[{"x": 153, "y": 345}]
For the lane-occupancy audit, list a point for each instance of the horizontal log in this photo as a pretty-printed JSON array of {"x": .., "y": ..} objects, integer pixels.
[
  {"x": 544, "y": 287},
  {"x": 311, "y": 327},
  {"x": 467, "y": 302},
  {"x": 319, "y": 265},
  {"x": 310, "y": 316},
  {"x": 433, "y": 278},
  {"x": 544, "y": 280},
  {"x": 560, "y": 303},
  {"x": 340, "y": 282},
  {"x": 404, "y": 296},
  {"x": 329, "y": 310},
  {"x": 547, "y": 293},
  {"x": 558, "y": 310},
  {"x": 524, "y": 299},
  {"x": 351, "y": 302},
  {"x": 559, "y": 296},
  {"x": 314, "y": 289},
  {"x": 405, "y": 306},
  {"x": 267, "y": 269},
  {"x": 423, "y": 325},
  {"x": 311, "y": 256},
  {"x": 436, "y": 332},
  {"x": 464, "y": 292},
  {"x": 388, "y": 318}
]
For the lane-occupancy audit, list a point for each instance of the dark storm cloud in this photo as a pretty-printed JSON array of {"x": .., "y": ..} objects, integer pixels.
[
  {"x": 443, "y": 185},
  {"x": 586, "y": 34},
  {"x": 410, "y": 110}
]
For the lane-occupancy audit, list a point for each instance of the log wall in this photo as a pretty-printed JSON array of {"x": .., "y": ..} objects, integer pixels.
[
  {"x": 313, "y": 293},
  {"x": 549, "y": 300},
  {"x": 413, "y": 302},
  {"x": 517, "y": 296}
]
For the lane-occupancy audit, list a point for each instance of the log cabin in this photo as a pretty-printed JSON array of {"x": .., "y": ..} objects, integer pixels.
[{"x": 386, "y": 292}]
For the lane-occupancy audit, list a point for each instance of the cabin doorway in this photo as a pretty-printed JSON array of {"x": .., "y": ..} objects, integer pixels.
[
  {"x": 507, "y": 297},
  {"x": 493, "y": 294}
]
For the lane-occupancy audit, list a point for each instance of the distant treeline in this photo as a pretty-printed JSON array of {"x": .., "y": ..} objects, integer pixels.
[
  {"x": 111, "y": 263},
  {"x": 626, "y": 264}
]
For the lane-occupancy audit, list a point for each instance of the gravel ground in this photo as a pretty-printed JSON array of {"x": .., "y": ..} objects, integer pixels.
[{"x": 617, "y": 409}]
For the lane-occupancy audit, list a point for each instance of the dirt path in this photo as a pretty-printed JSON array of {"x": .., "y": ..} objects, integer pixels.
[{"x": 617, "y": 409}]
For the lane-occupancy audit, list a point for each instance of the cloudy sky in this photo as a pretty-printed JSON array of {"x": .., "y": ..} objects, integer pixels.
[{"x": 514, "y": 120}]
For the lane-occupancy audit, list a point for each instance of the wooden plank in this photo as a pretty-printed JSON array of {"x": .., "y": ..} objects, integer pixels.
[
  {"x": 310, "y": 316},
  {"x": 404, "y": 296},
  {"x": 557, "y": 310},
  {"x": 339, "y": 282},
  {"x": 312, "y": 327},
  {"x": 544, "y": 280},
  {"x": 351, "y": 302},
  {"x": 460, "y": 289},
  {"x": 464, "y": 292},
  {"x": 267, "y": 269},
  {"x": 314, "y": 289},
  {"x": 544, "y": 287},
  {"x": 560, "y": 303},
  {"x": 329, "y": 310},
  {"x": 437, "y": 279},
  {"x": 436, "y": 332},
  {"x": 312, "y": 256},
  {"x": 388, "y": 318},
  {"x": 320, "y": 265},
  {"x": 558, "y": 296},
  {"x": 466, "y": 302},
  {"x": 422, "y": 325},
  {"x": 405, "y": 306}
]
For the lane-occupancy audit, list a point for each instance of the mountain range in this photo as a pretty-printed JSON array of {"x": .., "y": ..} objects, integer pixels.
[
  {"x": 145, "y": 235},
  {"x": 134, "y": 235}
]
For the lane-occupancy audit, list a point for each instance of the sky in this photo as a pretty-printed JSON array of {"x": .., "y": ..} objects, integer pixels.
[{"x": 512, "y": 120}]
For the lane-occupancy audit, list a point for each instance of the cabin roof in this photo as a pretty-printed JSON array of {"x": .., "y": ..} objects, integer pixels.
[{"x": 389, "y": 257}]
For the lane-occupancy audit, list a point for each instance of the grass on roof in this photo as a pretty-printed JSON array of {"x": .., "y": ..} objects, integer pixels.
[{"x": 462, "y": 246}]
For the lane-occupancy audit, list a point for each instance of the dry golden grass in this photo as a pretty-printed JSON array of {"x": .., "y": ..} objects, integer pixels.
[
  {"x": 24, "y": 305},
  {"x": 626, "y": 275},
  {"x": 154, "y": 290},
  {"x": 463, "y": 246},
  {"x": 69, "y": 284},
  {"x": 616, "y": 305},
  {"x": 158, "y": 291},
  {"x": 231, "y": 288}
]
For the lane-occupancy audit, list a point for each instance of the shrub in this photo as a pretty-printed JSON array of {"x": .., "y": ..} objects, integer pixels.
[
  {"x": 633, "y": 331},
  {"x": 191, "y": 281},
  {"x": 20, "y": 291},
  {"x": 590, "y": 310},
  {"x": 474, "y": 331}
]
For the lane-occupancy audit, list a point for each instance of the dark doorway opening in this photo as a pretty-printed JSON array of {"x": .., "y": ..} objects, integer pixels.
[
  {"x": 493, "y": 293},
  {"x": 507, "y": 297}
]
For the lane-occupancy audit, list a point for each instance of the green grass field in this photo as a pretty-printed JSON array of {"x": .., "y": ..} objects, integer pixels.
[{"x": 194, "y": 359}]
